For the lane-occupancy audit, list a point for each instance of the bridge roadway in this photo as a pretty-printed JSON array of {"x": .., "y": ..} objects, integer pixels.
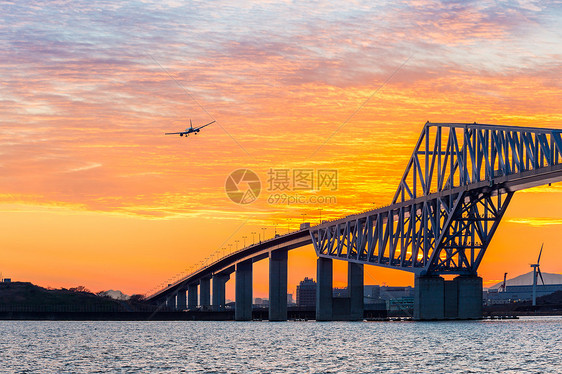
[{"x": 198, "y": 283}]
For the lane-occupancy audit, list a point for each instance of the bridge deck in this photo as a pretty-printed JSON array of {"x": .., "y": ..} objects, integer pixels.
[{"x": 226, "y": 264}]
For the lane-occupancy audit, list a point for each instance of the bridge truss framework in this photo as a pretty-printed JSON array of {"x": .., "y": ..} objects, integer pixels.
[{"x": 454, "y": 192}]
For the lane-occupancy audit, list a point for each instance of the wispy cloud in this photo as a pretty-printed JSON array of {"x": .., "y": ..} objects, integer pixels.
[
  {"x": 84, "y": 168},
  {"x": 536, "y": 221}
]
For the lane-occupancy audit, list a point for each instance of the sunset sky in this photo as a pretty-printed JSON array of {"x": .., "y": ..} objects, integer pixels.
[{"x": 92, "y": 193}]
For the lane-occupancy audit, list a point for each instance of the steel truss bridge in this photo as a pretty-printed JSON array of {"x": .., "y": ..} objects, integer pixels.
[{"x": 454, "y": 192}]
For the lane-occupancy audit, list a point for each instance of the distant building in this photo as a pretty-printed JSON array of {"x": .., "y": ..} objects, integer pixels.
[
  {"x": 306, "y": 292},
  {"x": 403, "y": 306},
  {"x": 401, "y": 297},
  {"x": 518, "y": 293},
  {"x": 290, "y": 299},
  {"x": 371, "y": 294},
  {"x": 261, "y": 302},
  {"x": 389, "y": 293},
  {"x": 397, "y": 300},
  {"x": 340, "y": 292}
]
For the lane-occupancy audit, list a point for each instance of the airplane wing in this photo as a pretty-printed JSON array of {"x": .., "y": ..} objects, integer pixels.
[
  {"x": 175, "y": 133},
  {"x": 200, "y": 127}
]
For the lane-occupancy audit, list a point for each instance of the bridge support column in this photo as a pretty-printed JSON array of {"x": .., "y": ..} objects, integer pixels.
[
  {"x": 324, "y": 270},
  {"x": 181, "y": 299},
  {"x": 451, "y": 301},
  {"x": 205, "y": 293},
  {"x": 171, "y": 303},
  {"x": 243, "y": 304},
  {"x": 192, "y": 296},
  {"x": 355, "y": 289},
  {"x": 429, "y": 297},
  {"x": 219, "y": 297},
  {"x": 469, "y": 297},
  {"x": 278, "y": 285},
  {"x": 435, "y": 298}
]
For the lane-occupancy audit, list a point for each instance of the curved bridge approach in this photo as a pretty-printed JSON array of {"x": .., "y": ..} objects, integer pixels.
[{"x": 198, "y": 283}]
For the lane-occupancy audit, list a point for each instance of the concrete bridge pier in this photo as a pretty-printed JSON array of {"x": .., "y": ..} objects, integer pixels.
[
  {"x": 324, "y": 277},
  {"x": 355, "y": 282},
  {"x": 348, "y": 308},
  {"x": 469, "y": 296},
  {"x": 205, "y": 293},
  {"x": 278, "y": 285},
  {"x": 429, "y": 298},
  {"x": 243, "y": 304},
  {"x": 437, "y": 299},
  {"x": 181, "y": 299},
  {"x": 451, "y": 300},
  {"x": 192, "y": 296},
  {"x": 219, "y": 295}
]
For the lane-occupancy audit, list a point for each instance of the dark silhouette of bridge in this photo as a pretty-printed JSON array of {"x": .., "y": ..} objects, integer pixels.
[{"x": 454, "y": 192}]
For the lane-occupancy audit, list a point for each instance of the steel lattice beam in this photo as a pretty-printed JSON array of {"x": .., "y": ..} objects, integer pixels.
[
  {"x": 450, "y": 200},
  {"x": 452, "y": 155}
]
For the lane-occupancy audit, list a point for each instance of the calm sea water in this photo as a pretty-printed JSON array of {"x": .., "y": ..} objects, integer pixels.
[{"x": 531, "y": 345}]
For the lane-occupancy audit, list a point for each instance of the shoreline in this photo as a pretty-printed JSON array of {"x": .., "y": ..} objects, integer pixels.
[{"x": 204, "y": 316}]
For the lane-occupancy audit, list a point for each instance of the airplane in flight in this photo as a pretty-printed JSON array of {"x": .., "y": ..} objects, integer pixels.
[{"x": 189, "y": 130}]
